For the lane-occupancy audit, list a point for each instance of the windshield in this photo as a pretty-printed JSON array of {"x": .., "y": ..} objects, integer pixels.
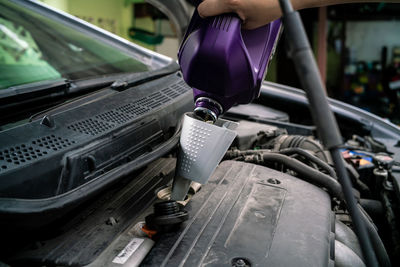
[{"x": 35, "y": 48}]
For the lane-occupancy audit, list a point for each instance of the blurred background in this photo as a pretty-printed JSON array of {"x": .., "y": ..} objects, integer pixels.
[{"x": 357, "y": 46}]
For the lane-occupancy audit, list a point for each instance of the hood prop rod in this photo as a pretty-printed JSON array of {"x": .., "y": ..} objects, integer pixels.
[{"x": 328, "y": 131}]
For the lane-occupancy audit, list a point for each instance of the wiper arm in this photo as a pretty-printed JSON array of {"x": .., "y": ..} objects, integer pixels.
[
  {"x": 121, "y": 81},
  {"x": 25, "y": 92},
  {"x": 118, "y": 82},
  {"x": 17, "y": 102},
  {"x": 139, "y": 78},
  {"x": 22, "y": 100},
  {"x": 63, "y": 87}
]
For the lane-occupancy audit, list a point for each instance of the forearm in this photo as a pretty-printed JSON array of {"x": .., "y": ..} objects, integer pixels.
[
  {"x": 256, "y": 13},
  {"x": 300, "y": 4}
]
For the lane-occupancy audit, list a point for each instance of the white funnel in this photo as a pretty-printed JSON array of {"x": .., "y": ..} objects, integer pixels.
[{"x": 202, "y": 146}]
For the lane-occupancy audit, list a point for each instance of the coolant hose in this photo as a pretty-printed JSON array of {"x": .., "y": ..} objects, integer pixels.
[
  {"x": 358, "y": 220},
  {"x": 310, "y": 157},
  {"x": 286, "y": 151},
  {"x": 379, "y": 247},
  {"x": 306, "y": 172},
  {"x": 374, "y": 208}
]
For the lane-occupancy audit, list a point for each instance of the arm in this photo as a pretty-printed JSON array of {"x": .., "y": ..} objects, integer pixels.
[{"x": 256, "y": 13}]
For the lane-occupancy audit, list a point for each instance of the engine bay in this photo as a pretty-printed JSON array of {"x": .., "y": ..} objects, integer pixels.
[
  {"x": 89, "y": 165},
  {"x": 274, "y": 200}
]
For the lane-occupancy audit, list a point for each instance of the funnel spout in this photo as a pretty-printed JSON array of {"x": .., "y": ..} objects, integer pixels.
[{"x": 202, "y": 146}]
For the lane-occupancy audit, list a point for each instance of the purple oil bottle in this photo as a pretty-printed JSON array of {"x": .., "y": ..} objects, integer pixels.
[{"x": 223, "y": 63}]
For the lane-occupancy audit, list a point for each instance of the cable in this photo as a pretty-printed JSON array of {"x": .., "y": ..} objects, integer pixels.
[
  {"x": 231, "y": 154},
  {"x": 305, "y": 172},
  {"x": 323, "y": 165}
]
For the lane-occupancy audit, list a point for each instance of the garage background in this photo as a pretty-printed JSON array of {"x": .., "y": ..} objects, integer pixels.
[{"x": 357, "y": 46}]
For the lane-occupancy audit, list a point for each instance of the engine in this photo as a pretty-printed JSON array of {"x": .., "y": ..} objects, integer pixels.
[{"x": 275, "y": 201}]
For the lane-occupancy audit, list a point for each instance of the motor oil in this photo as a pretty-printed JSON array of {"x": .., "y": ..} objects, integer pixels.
[{"x": 223, "y": 63}]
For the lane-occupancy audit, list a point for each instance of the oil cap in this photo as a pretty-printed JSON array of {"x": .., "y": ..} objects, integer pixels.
[{"x": 167, "y": 217}]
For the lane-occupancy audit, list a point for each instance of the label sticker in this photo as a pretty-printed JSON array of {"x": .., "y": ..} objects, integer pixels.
[{"x": 124, "y": 255}]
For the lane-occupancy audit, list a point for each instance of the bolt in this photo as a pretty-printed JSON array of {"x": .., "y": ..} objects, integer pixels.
[
  {"x": 273, "y": 181},
  {"x": 238, "y": 262},
  {"x": 111, "y": 221}
]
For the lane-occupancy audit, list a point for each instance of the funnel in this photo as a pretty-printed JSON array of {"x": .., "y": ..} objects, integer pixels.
[{"x": 202, "y": 146}]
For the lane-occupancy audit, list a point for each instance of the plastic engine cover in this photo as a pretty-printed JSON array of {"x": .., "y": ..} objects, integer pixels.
[{"x": 255, "y": 215}]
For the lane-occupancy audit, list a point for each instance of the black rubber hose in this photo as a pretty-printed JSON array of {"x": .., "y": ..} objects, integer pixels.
[
  {"x": 355, "y": 213},
  {"x": 391, "y": 219},
  {"x": 325, "y": 166},
  {"x": 373, "y": 207},
  {"x": 356, "y": 178},
  {"x": 287, "y": 151},
  {"x": 305, "y": 172},
  {"x": 379, "y": 247}
]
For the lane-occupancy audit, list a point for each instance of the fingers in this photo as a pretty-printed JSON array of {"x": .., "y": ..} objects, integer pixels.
[
  {"x": 210, "y": 8},
  {"x": 253, "y": 13}
]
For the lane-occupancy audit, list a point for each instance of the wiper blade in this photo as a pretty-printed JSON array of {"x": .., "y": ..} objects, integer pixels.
[
  {"x": 139, "y": 78},
  {"x": 48, "y": 86},
  {"x": 22, "y": 95},
  {"x": 121, "y": 81},
  {"x": 64, "y": 87},
  {"x": 20, "y": 101},
  {"x": 52, "y": 88}
]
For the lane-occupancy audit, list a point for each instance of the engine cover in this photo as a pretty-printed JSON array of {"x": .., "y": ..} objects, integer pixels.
[{"x": 252, "y": 214}]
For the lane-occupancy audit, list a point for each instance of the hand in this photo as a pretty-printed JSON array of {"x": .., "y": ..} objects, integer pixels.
[{"x": 254, "y": 13}]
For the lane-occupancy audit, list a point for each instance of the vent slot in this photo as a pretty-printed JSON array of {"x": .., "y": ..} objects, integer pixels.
[
  {"x": 176, "y": 89},
  {"x": 180, "y": 87},
  {"x": 158, "y": 99},
  {"x": 115, "y": 117},
  {"x": 152, "y": 101},
  {"x": 170, "y": 92},
  {"x": 122, "y": 114},
  {"x": 18, "y": 155},
  {"x": 90, "y": 126},
  {"x": 145, "y": 101},
  {"x": 133, "y": 109},
  {"x": 53, "y": 142}
]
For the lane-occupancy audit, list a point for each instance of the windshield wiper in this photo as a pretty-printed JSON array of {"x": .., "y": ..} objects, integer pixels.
[
  {"x": 22, "y": 93},
  {"x": 137, "y": 78},
  {"x": 63, "y": 87},
  {"x": 24, "y": 100}
]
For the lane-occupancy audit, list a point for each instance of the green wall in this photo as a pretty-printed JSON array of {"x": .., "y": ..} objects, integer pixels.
[
  {"x": 59, "y": 4},
  {"x": 115, "y": 16}
]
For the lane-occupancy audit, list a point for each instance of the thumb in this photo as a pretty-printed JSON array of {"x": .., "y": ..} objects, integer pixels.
[{"x": 209, "y": 8}]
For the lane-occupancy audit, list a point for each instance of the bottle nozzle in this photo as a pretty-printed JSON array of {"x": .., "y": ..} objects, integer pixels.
[
  {"x": 207, "y": 109},
  {"x": 205, "y": 114}
]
